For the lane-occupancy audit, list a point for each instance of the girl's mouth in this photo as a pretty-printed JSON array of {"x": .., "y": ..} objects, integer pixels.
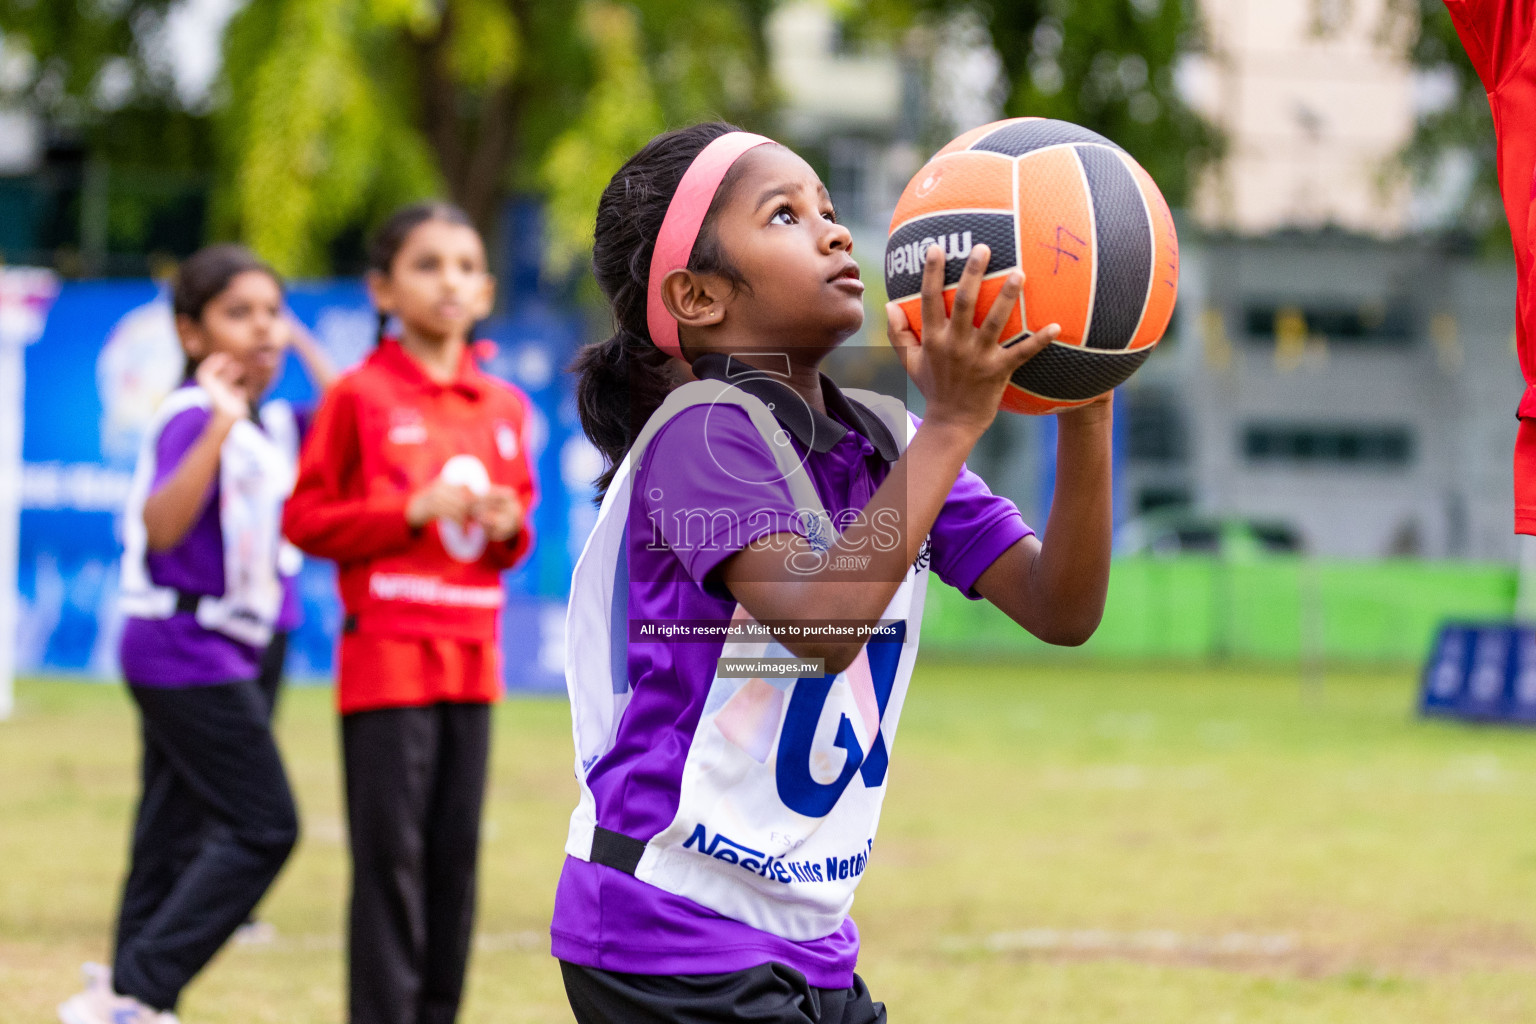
[{"x": 848, "y": 278}]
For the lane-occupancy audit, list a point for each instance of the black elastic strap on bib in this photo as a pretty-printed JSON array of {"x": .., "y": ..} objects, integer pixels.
[
  {"x": 187, "y": 603},
  {"x": 615, "y": 850}
]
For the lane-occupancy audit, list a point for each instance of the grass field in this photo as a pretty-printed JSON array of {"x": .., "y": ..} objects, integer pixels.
[{"x": 1060, "y": 846}]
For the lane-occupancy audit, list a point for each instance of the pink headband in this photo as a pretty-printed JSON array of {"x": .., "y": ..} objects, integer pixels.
[{"x": 680, "y": 227}]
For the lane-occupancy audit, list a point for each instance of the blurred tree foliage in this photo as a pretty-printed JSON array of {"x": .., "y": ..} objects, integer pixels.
[
  {"x": 327, "y": 113},
  {"x": 96, "y": 72},
  {"x": 335, "y": 110},
  {"x": 78, "y": 64},
  {"x": 1108, "y": 65},
  {"x": 1453, "y": 136}
]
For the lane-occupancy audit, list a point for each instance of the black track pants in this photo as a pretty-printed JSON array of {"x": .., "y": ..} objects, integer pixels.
[
  {"x": 216, "y": 821},
  {"x": 415, "y": 784}
]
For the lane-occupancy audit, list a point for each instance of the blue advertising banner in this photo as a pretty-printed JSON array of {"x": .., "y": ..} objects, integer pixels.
[
  {"x": 108, "y": 355},
  {"x": 1482, "y": 672}
]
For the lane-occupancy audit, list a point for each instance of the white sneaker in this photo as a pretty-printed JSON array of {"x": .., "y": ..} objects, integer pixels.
[
  {"x": 102, "y": 1006},
  {"x": 96, "y": 976}
]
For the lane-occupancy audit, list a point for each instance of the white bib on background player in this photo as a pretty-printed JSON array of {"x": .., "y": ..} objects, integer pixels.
[
  {"x": 782, "y": 786},
  {"x": 281, "y": 423},
  {"x": 255, "y": 478}
]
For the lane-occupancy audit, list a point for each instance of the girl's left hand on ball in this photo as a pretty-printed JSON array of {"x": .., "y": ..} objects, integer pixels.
[
  {"x": 959, "y": 366},
  {"x": 499, "y": 512}
]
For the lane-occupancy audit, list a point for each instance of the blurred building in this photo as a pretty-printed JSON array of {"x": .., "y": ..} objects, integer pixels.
[
  {"x": 1315, "y": 99},
  {"x": 853, "y": 109},
  {"x": 1329, "y": 369},
  {"x": 1357, "y": 390}
]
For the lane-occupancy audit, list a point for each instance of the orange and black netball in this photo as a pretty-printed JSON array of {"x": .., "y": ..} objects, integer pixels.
[{"x": 1083, "y": 221}]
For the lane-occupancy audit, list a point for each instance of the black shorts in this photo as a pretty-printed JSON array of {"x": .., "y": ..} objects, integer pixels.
[{"x": 768, "y": 994}]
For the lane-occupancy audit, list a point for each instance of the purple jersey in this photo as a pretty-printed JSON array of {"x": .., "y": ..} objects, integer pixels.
[
  {"x": 291, "y": 615},
  {"x": 706, "y": 487},
  {"x": 176, "y": 651}
]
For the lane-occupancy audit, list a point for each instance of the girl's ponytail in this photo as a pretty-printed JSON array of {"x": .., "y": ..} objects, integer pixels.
[{"x": 622, "y": 381}]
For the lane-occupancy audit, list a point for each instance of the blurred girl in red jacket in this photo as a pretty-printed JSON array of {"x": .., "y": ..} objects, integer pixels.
[{"x": 414, "y": 480}]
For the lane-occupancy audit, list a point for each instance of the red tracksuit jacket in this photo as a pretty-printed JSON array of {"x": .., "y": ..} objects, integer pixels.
[
  {"x": 1498, "y": 37},
  {"x": 422, "y": 605}
]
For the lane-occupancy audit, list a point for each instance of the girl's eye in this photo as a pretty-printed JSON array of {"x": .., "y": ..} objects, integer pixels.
[
  {"x": 830, "y": 214},
  {"x": 783, "y": 215}
]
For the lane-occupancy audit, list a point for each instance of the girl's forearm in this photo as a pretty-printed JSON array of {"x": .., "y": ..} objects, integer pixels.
[
  {"x": 174, "y": 506},
  {"x": 859, "y": 574},
  {"x": 322, "y": 522},
  {"x": 1070, "y": 577},
  {"x": 329, "y": 514},
  {"x": 910, "y": 498}
]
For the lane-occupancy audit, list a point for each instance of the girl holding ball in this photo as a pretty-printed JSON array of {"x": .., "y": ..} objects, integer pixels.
[{"x": 726, "y": 817}]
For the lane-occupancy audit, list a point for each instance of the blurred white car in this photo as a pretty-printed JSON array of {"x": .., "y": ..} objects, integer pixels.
[{"x": 1229, "y": 537}]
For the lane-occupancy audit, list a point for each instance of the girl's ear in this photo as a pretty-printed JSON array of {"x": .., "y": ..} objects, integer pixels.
[
  {"x": 380, "y": 293},
  {"x": 694, "y": 300},
  {"x": 193, "y": 341}
]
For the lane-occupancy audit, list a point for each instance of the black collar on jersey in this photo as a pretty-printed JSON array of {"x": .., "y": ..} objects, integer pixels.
[{"x": 816, "y": 430}]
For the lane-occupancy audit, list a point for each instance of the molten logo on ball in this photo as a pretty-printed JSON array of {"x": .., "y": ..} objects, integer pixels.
[{"x": 908, "y": 259}]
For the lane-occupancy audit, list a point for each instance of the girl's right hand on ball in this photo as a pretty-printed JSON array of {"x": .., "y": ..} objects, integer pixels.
[
  {"x": 439, "y": 500},
  {"x": 959, "y": 367},
  {"x": 219, "y": 376}
]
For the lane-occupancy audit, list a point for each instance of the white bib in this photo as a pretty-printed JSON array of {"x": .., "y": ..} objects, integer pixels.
[
  {"x": 255, "y": 478},
  {"x": 784, "y": 778},
  {"x": 282, "y": 425}
]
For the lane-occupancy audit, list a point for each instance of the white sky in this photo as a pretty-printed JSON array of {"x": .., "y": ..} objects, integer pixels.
[{"x": 194, "y": 29}]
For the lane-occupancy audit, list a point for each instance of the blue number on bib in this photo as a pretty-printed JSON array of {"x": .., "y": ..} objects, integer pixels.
[{"x": 797, "y": 789}]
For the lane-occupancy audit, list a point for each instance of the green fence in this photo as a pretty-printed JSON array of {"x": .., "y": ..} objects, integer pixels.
[{"x": 1277, "y": 610}]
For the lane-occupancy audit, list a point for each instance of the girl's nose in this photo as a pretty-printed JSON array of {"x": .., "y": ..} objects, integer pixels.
[{"x": 837, "y": 238}]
